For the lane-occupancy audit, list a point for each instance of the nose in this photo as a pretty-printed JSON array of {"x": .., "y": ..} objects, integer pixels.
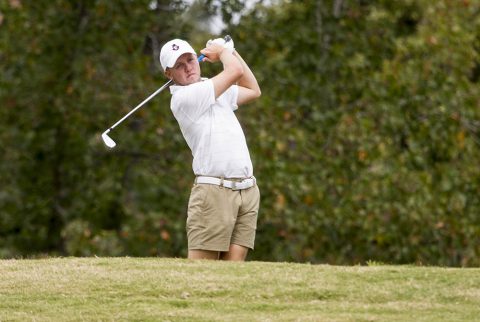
[{"x": 189, "y": 66}]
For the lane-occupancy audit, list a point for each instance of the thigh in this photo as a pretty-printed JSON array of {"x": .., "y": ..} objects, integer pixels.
[
  {"x": 212, "y": 211},
  {"x": 246, "y": 224}
]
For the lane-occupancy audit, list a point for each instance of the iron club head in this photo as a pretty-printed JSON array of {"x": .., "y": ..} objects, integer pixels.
[{"x": 108, "y": 140}]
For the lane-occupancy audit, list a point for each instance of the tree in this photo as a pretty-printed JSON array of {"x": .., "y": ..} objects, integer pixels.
[
  {"x": 367, "y": 133},
  {"x": 70, "y": 68},
  {"x": 364, "y": 142}
]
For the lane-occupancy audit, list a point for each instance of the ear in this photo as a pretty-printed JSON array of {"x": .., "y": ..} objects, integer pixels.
[{"x": 168, "y": 73}]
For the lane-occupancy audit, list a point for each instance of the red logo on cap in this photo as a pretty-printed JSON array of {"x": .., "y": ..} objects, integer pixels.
[{"x": 175, "y": 47}]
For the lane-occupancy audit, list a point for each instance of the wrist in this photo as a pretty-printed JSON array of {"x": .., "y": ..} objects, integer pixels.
[{"x": 223, "y": 53}]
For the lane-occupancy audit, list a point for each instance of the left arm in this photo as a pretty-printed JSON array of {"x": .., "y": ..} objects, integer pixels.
[{"x": 248, "y": 88}]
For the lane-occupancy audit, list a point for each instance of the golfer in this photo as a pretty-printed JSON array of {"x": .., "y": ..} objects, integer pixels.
[{"x": 224, "y": 200}]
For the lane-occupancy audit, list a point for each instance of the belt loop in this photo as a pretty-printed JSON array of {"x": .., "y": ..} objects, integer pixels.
[
  {"x": 195, "y": 181},
  {"x": 221, "y": 181}
]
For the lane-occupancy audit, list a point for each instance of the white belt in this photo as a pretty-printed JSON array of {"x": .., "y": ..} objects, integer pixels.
[{"x": 234, "y": 185}]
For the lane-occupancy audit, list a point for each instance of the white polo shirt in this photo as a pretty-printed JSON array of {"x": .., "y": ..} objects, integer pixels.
[{"x": 212, "y": 130}]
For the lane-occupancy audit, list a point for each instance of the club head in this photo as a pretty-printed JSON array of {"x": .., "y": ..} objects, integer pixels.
[{"x": 107, "y": 140}]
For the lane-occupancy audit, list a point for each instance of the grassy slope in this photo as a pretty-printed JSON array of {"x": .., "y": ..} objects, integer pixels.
[{"x": 177, "y": 289}]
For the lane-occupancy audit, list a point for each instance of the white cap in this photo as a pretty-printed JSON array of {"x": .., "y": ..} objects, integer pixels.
[{"x": 172, "y": 50}]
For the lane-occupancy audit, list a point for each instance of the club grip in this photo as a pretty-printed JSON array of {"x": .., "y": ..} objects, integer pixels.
[{"x": 227, "y": 38}]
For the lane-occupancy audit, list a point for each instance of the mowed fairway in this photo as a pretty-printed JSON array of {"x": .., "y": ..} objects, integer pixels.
[{"x": 154, "y": 289}]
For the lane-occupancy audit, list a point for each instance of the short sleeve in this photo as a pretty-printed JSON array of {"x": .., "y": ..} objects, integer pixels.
[
  {"x": 233, "y": 92},
  {"x": 193, "y": 100}
]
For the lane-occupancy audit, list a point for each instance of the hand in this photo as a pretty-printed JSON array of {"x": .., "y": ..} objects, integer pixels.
[
  {"x": 227, "y": 45},
  {"x": 212, "y": 52}
]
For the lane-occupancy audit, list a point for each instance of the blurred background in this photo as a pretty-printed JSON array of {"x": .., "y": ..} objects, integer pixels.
[{"x": 365, "y": 142}]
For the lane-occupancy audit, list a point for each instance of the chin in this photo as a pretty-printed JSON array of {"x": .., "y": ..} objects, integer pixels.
[
  {"x": 190, "y": 82},
  {"x": 194, "y": 79}
]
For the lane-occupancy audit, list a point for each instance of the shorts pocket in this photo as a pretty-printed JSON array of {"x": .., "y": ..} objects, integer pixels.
[{"x": 196, "y": 206}]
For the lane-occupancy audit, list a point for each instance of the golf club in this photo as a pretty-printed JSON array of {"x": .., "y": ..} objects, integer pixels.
[{"x": 108, "y": 140}]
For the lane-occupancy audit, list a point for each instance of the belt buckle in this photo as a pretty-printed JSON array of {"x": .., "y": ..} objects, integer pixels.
[{"x": 234, "y": 185}]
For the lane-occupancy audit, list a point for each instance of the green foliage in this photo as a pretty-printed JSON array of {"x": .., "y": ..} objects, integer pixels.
[
  {"x": 69, "y": 69},
  {"x": 365, "y": 141},
  {"x": 367, "y": 138}
]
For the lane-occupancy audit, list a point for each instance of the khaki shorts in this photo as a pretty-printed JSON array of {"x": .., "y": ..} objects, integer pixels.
[{"x": 219, "y": 216}]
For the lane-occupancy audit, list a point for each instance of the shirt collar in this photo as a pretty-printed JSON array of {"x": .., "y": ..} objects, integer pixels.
[{"x": 175, "y": 88}]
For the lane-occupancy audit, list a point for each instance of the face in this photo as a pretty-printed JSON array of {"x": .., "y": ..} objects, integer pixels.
[{"x": 186, "y": 70}]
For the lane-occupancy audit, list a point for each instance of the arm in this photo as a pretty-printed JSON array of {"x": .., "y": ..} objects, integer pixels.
[
  {"x": 232, "y": 67},
  {"x": 248, "y": 88}
]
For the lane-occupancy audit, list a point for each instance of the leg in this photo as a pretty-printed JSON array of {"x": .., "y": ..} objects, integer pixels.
[
  {"x": 235, "y": 253},
  {"x": 202, "y": 254},
  {"x": 245, "y": 226},
  {"x": 210, "y": 220}
]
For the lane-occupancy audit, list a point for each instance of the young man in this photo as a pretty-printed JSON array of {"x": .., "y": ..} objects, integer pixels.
[{"x": 224, "y": 201}]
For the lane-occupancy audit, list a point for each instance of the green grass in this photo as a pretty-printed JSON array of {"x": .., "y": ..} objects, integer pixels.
[{"x": 153, "y": 289}]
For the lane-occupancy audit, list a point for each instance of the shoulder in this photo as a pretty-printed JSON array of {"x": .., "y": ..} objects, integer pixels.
[
  {"x": 193, "y": 99},
  {"x": 198, "y": 86},
  {"x": 196, "y": 89}
]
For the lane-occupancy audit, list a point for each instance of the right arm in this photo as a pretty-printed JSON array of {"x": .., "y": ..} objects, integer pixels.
[
  {"x": 248, "y": 88},
  {"x": 232, "y": 67}
]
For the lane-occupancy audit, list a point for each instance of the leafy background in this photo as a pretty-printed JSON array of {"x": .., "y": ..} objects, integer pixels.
[{"x": 365, "y": 141}]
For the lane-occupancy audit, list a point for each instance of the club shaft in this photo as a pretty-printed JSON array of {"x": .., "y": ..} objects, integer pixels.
[{"x": 142, "y": 103}]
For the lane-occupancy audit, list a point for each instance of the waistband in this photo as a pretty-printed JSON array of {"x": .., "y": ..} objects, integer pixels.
[{"x": 233, "y": 183}]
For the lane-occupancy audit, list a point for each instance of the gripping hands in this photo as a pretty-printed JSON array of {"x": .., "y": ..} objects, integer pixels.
[
  {"x": 211, "y": 53},
  {"x": 226, "y": 42}
]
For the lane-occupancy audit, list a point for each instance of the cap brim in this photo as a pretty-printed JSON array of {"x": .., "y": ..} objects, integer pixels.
[{"x": 173, "y": 59}]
